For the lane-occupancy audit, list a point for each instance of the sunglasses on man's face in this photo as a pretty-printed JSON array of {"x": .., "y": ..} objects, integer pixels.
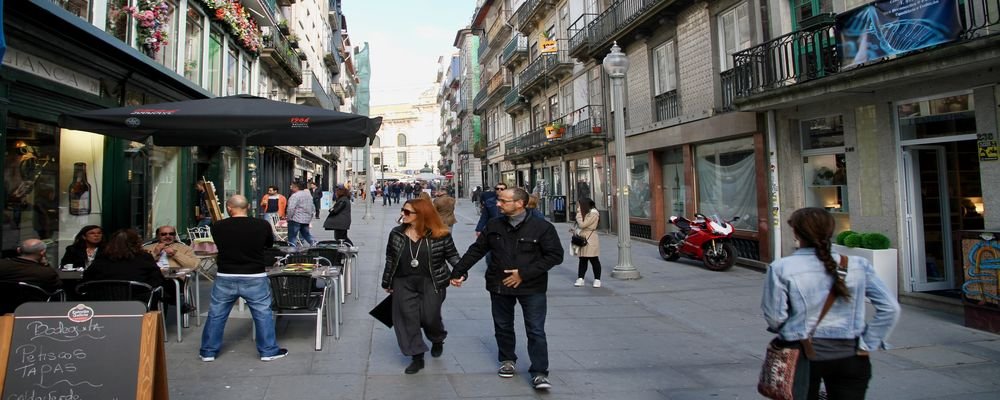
[
  {"x": 168, "y": 233},
  {"x": 407, "y": 212},
  {"x": 499, "y": 188}
]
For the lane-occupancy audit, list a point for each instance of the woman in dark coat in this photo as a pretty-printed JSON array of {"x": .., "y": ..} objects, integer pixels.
[
  {"x": 339, "y": 219},
  {"x": 86, "y": 244},
  {"x": 124, "y": 259},
  {"x": 416, "y": 273}
]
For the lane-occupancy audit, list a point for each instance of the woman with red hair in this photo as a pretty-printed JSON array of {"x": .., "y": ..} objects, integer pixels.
[{"x": 417, "y": 274}]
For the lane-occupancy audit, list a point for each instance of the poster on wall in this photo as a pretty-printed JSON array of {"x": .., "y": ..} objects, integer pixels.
[
  {"x": 887, "y": 28},
  {"x": 987, "y": 147}
]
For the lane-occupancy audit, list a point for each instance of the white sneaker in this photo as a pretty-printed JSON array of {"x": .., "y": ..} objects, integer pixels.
[
  {"x": 597, "y": 283},
  {"x": 579, "y": 282}
]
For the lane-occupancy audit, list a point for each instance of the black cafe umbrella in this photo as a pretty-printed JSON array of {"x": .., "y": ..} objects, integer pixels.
[{"x": 240, "y": 120}]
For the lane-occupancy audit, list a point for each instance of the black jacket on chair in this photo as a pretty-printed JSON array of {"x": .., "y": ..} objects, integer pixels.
[{"x": 442, "y": 253}]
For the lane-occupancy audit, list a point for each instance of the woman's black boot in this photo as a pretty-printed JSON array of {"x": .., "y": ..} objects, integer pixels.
[{"x": 416, "y": 365}]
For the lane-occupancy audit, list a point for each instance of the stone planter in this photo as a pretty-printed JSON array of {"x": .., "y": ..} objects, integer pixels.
[{"x": 885, "y": 262}]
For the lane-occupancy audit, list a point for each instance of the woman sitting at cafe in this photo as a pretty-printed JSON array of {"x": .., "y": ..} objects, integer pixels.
[
  {"x": 124, "y": 259},
  {"x": 86, "y": 244}
]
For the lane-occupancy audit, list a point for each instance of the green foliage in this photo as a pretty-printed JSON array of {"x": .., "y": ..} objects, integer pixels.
[
  {"x": 874, "y": 241},
  {"x": 852, "y": 240},
  {"x": 842, "y": 235}
]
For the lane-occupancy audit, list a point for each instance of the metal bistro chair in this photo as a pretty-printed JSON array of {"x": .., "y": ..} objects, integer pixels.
[
  {"x": 293, "y": 295},
  {"x": 122, "y": 290},
  {"x": 280, "y": 232},
  {"x": 14, "y": 293},
  {"x": 207, "y": 265}
]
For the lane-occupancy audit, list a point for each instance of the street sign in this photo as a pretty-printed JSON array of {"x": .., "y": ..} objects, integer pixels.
[{"x": 449, "y": 175}]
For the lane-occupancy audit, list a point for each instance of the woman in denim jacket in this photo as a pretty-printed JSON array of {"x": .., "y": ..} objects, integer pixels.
[{"x": 794, "y": 293}]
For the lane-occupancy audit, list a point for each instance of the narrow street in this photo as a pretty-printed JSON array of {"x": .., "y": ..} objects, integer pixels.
[{"x": 680, "y": 332}]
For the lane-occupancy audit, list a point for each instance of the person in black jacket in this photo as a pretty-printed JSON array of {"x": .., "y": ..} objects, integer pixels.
[
  {"x": 522, "y": 249},
  {"x": 417, "y": 275},
  {"x": 86, "y": 244},
  {"x": 124, "y": 259},
  {"x": 339, "y": 219}
]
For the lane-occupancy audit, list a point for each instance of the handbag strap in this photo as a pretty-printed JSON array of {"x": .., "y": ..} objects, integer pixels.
[{"x": 830, "y": 298}]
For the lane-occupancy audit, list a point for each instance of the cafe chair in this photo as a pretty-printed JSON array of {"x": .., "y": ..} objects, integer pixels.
[
  {"x": 121, "y": 290},
  {"x": 293, "y": 295},
  {"x": 14, "y": 293},
  {"x": 278, "y": 228}
]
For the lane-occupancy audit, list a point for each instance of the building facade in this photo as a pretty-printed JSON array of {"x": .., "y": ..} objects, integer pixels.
[{"x": 407, "y": 142}]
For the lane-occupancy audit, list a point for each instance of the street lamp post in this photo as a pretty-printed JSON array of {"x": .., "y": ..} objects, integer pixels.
[
  {"x": 616, "y": 64},
  {"x": 369, "y": 176}
]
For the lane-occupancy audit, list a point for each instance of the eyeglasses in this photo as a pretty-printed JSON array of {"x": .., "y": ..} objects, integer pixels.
[
  {"x": 499, "y": 188},
  {"x": 168, "y": 233},
  {"x": 407, "y": 212},
  {"x": 505, "y": 200}
]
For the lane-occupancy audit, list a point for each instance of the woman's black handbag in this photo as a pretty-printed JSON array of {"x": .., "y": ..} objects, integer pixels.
[{"x": 578, "y": 241}]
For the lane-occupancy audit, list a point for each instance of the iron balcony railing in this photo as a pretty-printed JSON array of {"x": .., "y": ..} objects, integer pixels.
[
  {"x": 728, "y": 80},
  {"x": 534, "y": 140},
  {"x": 812, "y": 53},
  {"x": 559, "y": 62},
  {"x": 510, "y": 147},
  {"x": 527, "y": 12},
  {"x": 617, "y": 17},
  {"x": 499, "y": 28},
  {"x": 501, "y": 79},
  {"x": 483, "y": 49},
  {"x": 668, "y": 105},
  {"x": 532, "y": 74},
  {"x": 479, "y": 103},
  {"x": 278, "y": 53},
  {"x": 585, "y": 121},
  {"x": 516, "y": 47},
  {"x": 579, "y": 35}
]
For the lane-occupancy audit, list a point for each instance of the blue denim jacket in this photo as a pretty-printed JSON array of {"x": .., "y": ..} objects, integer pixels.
[{"x": 796, "y": 288}]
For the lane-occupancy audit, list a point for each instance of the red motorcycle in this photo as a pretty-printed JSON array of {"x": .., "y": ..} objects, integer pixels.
[{"x": 706, "y": 239}]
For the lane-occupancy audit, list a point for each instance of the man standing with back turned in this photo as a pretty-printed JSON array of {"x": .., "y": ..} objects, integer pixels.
[
  {"x": 300, "y": 214},
  {"x": 242, "y": 274},
  {"x": 522, "y": 249}
]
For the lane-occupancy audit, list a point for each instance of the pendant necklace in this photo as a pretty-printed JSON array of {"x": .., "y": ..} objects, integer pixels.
[{"x": 413, "y": 255}]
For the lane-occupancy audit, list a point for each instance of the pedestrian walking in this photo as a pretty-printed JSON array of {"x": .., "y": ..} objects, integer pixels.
[
  {"x": 300, "y": 214},
  {"x": 587, "y": 218},
  {"x": 475, "y": 194},
  {"x": 416, "y": 273},
  {"x": 339, "y": 219},
  {"x": 202, "y": 215},
  {"x": 522, "y": 249},
  {"x": 795, "y": 292},
  {"x": 386, "y": 194},
  {"x": 374, "y": 191},
  {"x": 242, "y": 274},
  {"x": 488, "y": 207},
  {"x": 317, "y": 195}
]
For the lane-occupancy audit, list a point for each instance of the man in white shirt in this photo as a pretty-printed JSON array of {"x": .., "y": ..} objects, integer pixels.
[{"x": 300, "y": 213}]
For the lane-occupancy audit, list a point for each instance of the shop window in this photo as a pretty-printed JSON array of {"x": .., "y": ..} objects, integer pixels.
[
  {"x": 826, "y": 182},
  {"x": 168, "y": 52},
  {"x": 822, "y": 133},
  {"x": 232, "y": 69},
  {"x": 638, "y": 182},
  {"x": 727, "y": 181},
  {"x": 937, "y": 117},
  {"x": 672, "y": 166},
  {"x": 245, "y": 75},
  {"x": 401, "y": 140},
  {"x": 734, "y": 34},
  {"x": 80, "y": 8},
  {"x": 401, "y": 159},
  {"x": 193, "y": 44},
  {"x": 31, "y": 186}
]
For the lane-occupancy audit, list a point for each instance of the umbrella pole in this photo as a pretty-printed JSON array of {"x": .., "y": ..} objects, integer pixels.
[{"x": 243, "y": 166}]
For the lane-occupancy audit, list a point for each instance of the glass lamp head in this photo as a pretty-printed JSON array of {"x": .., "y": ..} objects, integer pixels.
[{"x": 616, "y": 62}]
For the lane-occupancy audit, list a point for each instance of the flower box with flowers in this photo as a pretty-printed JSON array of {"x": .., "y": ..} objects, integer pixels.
[{"x": 151, "y": 17}]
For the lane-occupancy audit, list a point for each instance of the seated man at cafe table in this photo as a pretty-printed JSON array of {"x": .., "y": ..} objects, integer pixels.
[
  {"x": 168, "y": 252},
  {"x": 30, "y": 266},
  {"x": 242, "y": 274}
]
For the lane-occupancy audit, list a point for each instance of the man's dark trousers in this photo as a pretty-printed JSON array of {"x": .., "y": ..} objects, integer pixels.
[{"x": 533, "y": 307}]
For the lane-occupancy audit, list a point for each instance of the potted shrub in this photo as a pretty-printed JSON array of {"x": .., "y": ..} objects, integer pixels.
[
  {"x": 876, "y": 248},
  {"x": 293, "y": 41}
]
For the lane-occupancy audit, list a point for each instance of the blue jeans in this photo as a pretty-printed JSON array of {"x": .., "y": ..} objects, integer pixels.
[
  {"x": 533, "y": 307},
  {"x": 297, "y": 228},
  {"x": 257, "y": 294}
]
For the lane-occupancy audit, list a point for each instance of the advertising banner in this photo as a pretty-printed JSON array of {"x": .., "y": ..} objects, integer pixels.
[{"x": 886, "y": 28}]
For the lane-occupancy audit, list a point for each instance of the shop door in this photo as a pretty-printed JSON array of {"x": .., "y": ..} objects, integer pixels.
[
  {"x": 940, "y": 178},
  {"x": 137, "y": 162}
]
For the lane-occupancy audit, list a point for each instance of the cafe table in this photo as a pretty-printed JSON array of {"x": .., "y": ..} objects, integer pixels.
[{"x": 331, "y": 276}]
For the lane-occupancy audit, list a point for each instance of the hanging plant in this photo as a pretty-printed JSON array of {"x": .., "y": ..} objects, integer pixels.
[
  {"x": 237, "y": 21},
  {"x": 151, "y": 15}
]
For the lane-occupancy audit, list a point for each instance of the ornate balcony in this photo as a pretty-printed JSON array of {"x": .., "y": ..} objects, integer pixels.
[
  {"x": 579, "y": 36},
  {"x": 532, "y": 76},
  {"x": 559, "y": 64},
  {"x": 579, "y": 130},
  {"x": 494, "y": 90},
  {"x": 728, "y": 83},
  {"x": 619, "y": 20},
  {"x": 513, "y": 102},
  {"x": 515, "y": 51},
  {"x": 530, "y": 13},
  {"x": 668, "y": 105},
  {"x": 279, "y": 55},
  {"x": 499, "y": 29}
]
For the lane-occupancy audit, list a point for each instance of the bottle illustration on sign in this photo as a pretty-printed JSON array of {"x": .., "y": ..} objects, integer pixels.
[{"x": 79, "y": 191}]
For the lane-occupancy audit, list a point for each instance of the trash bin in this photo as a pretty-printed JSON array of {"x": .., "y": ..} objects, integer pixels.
[{"x": 558, "y": 208}]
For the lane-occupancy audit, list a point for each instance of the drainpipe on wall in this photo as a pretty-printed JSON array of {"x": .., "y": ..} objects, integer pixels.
[{"x": 772, "y": 140}]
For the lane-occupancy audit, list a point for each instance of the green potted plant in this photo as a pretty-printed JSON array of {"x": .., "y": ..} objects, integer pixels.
[
  {"x": 877, "y": 248},
  {"x": 293, "y": 41},
  {"x": 824, "y": 176}
]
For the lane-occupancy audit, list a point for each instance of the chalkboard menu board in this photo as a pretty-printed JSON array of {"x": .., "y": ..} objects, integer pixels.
[{"x": 74, "y": 351}]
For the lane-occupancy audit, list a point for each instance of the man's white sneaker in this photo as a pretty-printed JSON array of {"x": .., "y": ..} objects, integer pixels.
[
  {"x": 281, "y": 354},
  {"x": 579, "y": 282},
  {"x": 597, "y": 283},
  {"x": 207, "y": 358},
  {"x": 541, "y": 382}
]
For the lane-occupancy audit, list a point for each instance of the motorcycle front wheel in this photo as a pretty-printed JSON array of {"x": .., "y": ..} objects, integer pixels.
[
  {"x": 668, "y": 248},
  {"x": 721, "y": 257}
]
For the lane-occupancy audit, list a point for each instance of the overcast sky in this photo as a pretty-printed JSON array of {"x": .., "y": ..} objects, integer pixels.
[{"x": 405, "y": 37}]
